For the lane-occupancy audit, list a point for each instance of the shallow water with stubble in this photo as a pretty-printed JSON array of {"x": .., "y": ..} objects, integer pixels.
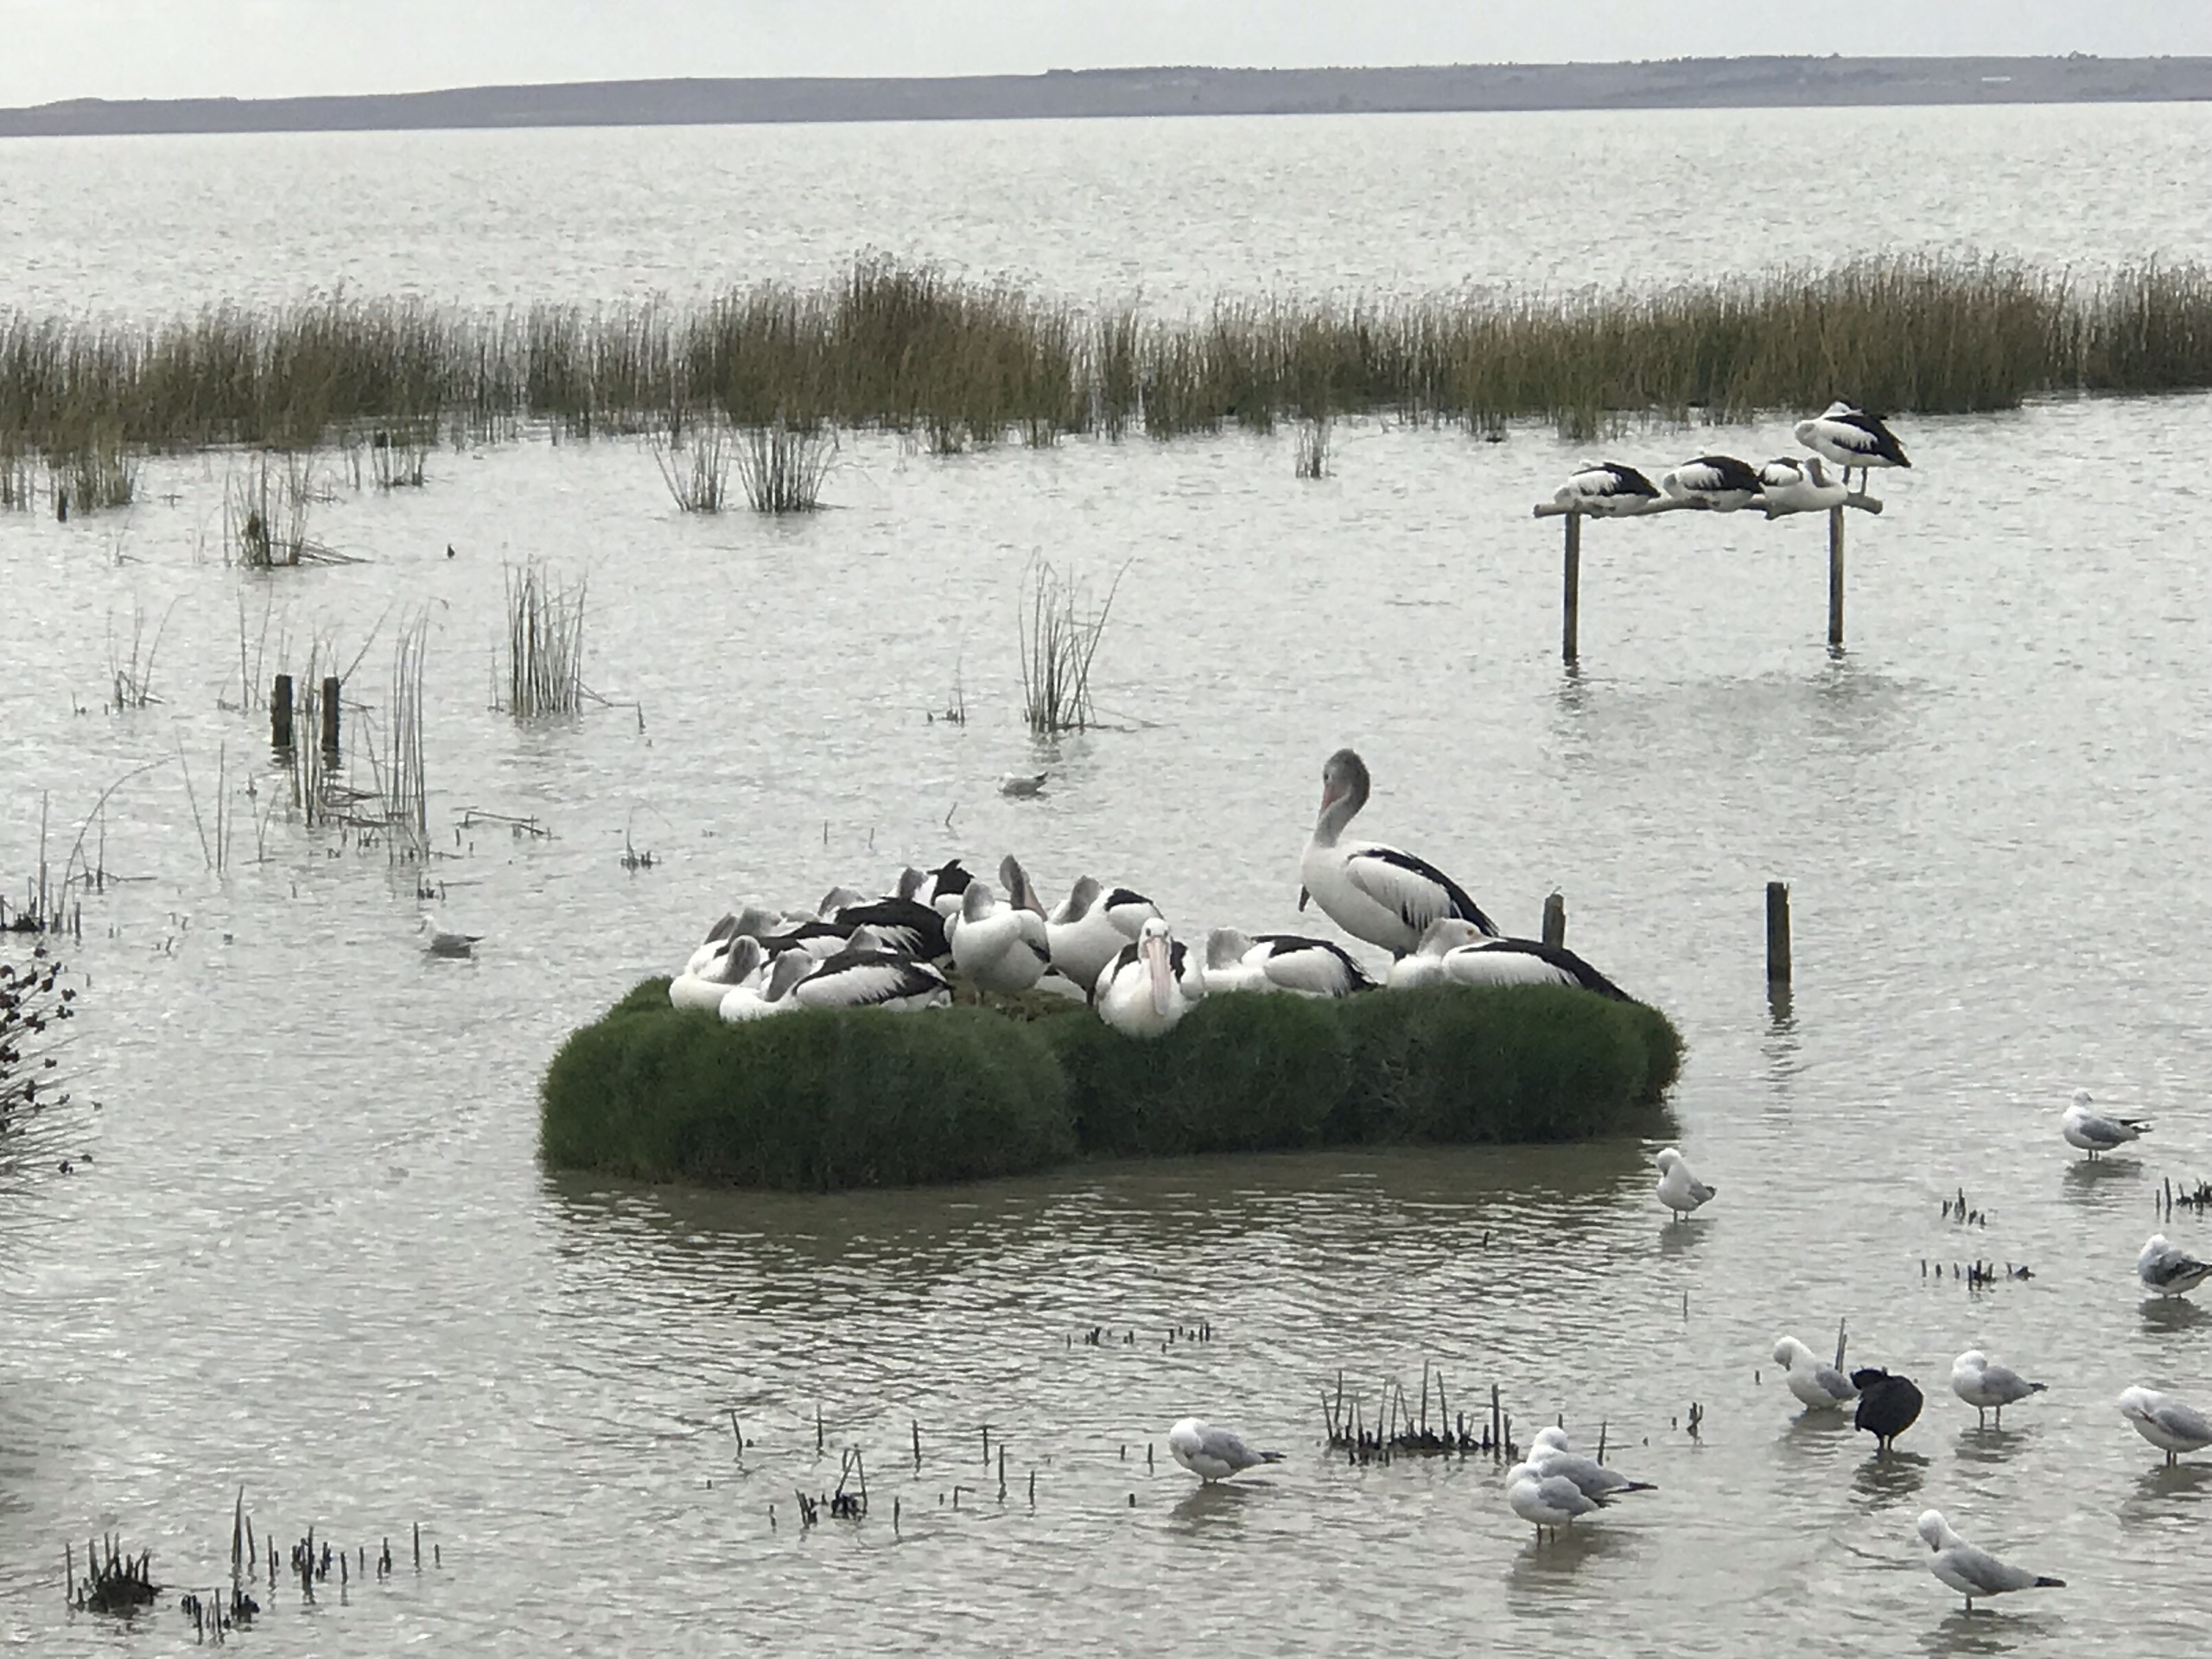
[{"x": 306, "y": 1249}]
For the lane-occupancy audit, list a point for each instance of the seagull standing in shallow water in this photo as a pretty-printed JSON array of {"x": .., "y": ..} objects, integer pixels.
[
  {"x": 1212, "y": 1453},
  {"x": 1988, "y": 1388},
  {"x": 1820, "y": 1388},
  {"x": 2095, "y": 1133},
  {"x": 1973, "y": 1572},
  {"x": 1544, "y": 1500},
  {"x": 2168, "y": 1271},
  {"x": 2164, "y": 1421},
  {"x": 1679, "y": 1190}
]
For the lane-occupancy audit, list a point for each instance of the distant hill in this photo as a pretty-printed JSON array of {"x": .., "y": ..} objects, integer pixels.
[{"x": 1682, "y": 83}]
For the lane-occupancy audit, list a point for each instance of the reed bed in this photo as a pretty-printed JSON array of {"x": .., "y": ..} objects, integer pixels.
[
  {"x": 545, "y": 643},
  {"x": 961, "y": 364}
]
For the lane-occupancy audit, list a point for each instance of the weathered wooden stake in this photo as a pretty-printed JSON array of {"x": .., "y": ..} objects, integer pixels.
[
  {"x": 1571, "y": 609},
  {"x": 280, "y": 712},
  {"x": 1835, "y": 583},
  {"x": 330, "y": 714},
  {"x": 1555, "y": 920},
  {"x": 1777, "y": 932}
]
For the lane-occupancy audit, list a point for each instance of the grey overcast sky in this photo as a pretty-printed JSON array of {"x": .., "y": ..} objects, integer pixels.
[{"x": 54, "y": 49}]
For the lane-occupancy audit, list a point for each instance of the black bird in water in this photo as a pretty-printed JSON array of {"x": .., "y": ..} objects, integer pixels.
[{"x": 1887, "y": 1405}]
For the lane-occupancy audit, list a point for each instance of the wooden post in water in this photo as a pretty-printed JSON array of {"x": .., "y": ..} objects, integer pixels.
[
  {"x": 330, "y": 715},
  {"x": 1778, "y": 933},
  {"x": 280, "y": 712},
  {"x": 1571, "y": 608},
  {"x": 1835, "y": 582},
  {"x": 1555, "y": 920}
]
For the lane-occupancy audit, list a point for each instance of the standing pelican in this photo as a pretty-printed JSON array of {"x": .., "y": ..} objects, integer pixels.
[
  {"x": 1375, "y": 893},
  {"x": 1150, "y": 985},
  {"x": 1853, "y": 439}
]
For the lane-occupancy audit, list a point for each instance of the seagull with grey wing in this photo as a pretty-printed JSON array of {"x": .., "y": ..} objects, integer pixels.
[
  {"x": 445, "y": 943},
  {"x": 1818, "y": 1387},
  {"x": 1973, "y": 1572},
  {"x": 2098, "y": 1132},
  {"x": 2168, "y": 1271},
  {"x": 1212, "y": 1453},
  {"x": 2173, "y": 1427},
  {"x": 1987, "y": 1386},
  {"x": 1551, "y": 1453}
]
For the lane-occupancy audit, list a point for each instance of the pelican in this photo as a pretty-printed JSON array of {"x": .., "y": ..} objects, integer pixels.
[
  {"x": 1799, "y": 484},
  {"x": 872, "y": 978},
  {"x": 1001, "y": 946},
  {"x": 1212, "y": 1453},
  {"x": 1086, "y": 932},
  {"x": 709, "y": 985},
  {"x": 1607, "y": 489},
  {"x": 942, "y": 887},
  {"x": 1375, "y": 893},
  {"x": 1988, "y": 1388},
  {"x": 2094, "y": 1132},
  {"x": 1280, "y": 962},
  {"x": 1720, "y": 482},
  {"x": 1973, "y": 1571},
  {"x": 1852, "y": 438},
  {"x": 902, "y": 924},
  {"x": 1679, "y": 1190},
  {"x": 1150, "y": 985},
  {"x": 2168, "y": 1271},
  {"x": 713, "y": 944},
  {"x": 1818, "y": 1387},
  {"x": 755, "y": 1000},
  {"x": 2175, "y": 1429},
  {"x": 1456, "y": 951}
]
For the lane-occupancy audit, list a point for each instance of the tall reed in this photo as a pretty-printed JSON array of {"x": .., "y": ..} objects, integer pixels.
[
  {"x": 781, "y": 467},
  {"x": 1059, "y": 641},
  {"x": 545, "y": 643}
]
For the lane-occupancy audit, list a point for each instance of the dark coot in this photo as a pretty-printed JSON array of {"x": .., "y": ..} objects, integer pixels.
[{"x": 1887, "y": 1405}]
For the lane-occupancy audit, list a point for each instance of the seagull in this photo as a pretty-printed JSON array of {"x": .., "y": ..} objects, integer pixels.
[
  {"x": 1550, "y": 1454},
  {"x": 1973, "y": 1572},
  {"x": 1679, "y": 1190},
  {"x": 1988, "y": 1388},
  {"x": 443, "y": 944},
  {"x": 2094, "y": 1132},
  {"x": 1543, "y": 1500},
  {"x": 2168, "y": 1271},
  {"x": 1212, "y": 1453},
  {"x": 2164, "y": 1421},
  {"x": 1022, "y": 783},
  {"x": 1821, "y": 1387},
  {"x": 1887, "y": 1405}
]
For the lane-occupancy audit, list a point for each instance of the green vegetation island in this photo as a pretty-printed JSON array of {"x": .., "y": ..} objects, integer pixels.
[
  {"x": 1675, "y": 82},
  {"x": 819, "y": 1100}
]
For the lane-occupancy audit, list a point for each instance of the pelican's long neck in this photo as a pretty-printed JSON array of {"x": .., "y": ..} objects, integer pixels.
[{"x": 1340, "y": 809}]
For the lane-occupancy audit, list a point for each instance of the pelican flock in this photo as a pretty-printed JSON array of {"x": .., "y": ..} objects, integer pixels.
[
  {"x": 909, "y": 948},
  {"x": 1843, "y": 436}
]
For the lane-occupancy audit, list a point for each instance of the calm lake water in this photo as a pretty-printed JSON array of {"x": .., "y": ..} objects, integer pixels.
[{"x": 312, "y": 1252}]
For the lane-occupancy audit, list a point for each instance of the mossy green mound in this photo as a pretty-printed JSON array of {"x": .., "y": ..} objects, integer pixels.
[{"x": 816, "y": 1100}]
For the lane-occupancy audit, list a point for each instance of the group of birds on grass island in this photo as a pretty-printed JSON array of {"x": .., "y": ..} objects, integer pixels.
[
  {"x": 1556, "y": 1486},
  {"x": 1111, "y": 946},
  {"x": 1845, "y": 435}
]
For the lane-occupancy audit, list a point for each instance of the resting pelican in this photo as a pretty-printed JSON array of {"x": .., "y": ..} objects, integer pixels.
[
  {"x": 1092, "y": 927},
  {"x": 1721, "y": 482},
  {"x": 1001, "y": 947},
  {"x": 737, "y": 965},
  {"x": 755, "y": 1000},
  {"x": 942, "y": 887},
  {"x": 1150, "y": 985},
  {"x": 903, "y": 925},
  {"x": 1280, "y": 962},
  {"x": 1607, "y": 489},
  {"x": 713, "y": 944},
  {"x": 1375, "y": 893},
  {"x": 872, "y": 978},
  {"x": 1852, "y": 438},
  {"x": 1457, "y": 951},
  {"x": 1800, "y": 484}
]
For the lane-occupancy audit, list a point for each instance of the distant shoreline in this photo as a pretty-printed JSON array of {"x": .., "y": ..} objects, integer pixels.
[{"x": 1686, "y": 83}]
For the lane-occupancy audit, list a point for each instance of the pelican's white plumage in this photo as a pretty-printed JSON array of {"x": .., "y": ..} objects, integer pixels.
[
  {"x": 1852, "y": 438},
  {"x": 2167, "y": 1423},
  {"x": 1150, "y": 985},
  {"x": 867, "y": 978},
  {"x": 1092, "y": 926},
  {"x": 1679, "y": 1190},
  {"x": 1544, "y": 1500},
  {"x": 761, "y": 996},
  {"x": 1001, "y": 946},
  {"x": 1459, "y": 951},
  {"x": 1212, "y": 1453},
  {"x": 1972, "y": 1572},
  {"x": 1800, "y": 484},
  {"x": 1377, "y": 892},
  {"x": 2168, "y": 1271},
  {"x": 1280, "y": 962},
  {"x": 1606, "y": 489},
  {"x": 2094, "y": 1131},
  {"x": 739, "y": 961},
  {"x": 1818, "y": 1387},
  {"x": 1721, "y": 483},
  {"x": 1988, "y": 1387}
]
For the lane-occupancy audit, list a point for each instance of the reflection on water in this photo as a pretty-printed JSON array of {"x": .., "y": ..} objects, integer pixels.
[{"x": 1887, "y": 1479}]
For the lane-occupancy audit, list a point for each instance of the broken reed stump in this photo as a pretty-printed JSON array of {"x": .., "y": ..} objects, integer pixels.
[
  {"x": 1404, "y": 1431},
  {"x": 113, "y": 1582}
]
